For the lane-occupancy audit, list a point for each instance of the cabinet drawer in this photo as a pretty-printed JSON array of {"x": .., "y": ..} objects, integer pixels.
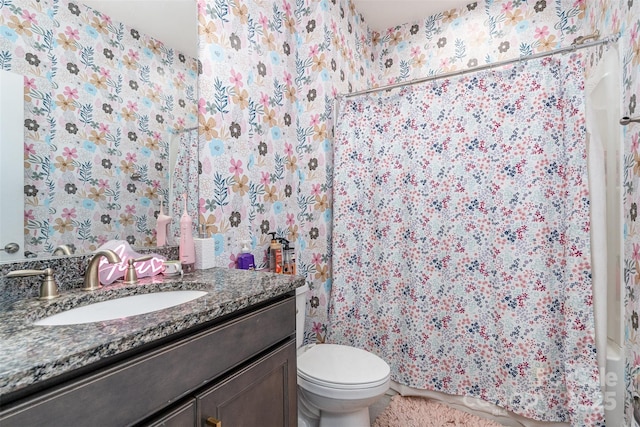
[
  {"x": 137, "y": 388},
  {"x": 182, "y": 416}
]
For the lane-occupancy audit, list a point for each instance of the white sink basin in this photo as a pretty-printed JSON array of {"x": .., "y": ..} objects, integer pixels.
[{"x": 120, "y": 307}]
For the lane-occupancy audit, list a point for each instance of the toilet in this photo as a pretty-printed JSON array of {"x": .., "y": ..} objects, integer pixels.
[{"x": 336, "y": 383}]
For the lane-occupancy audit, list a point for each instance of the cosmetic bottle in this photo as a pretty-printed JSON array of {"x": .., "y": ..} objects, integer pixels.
[
  {"x": 187, "y": 248},
  {"x": 245, "y": 260},
  {"x": 162, "y": 227},
  {"x": 275, "y": 255}
]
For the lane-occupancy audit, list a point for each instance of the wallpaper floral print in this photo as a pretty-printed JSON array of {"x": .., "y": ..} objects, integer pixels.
[
  {"x": 463, "y": 247},
  {"x": 100, "y": 102}
]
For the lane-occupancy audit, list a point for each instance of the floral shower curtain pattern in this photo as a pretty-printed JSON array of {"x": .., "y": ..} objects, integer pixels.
[{"x": 461, "y": 238}]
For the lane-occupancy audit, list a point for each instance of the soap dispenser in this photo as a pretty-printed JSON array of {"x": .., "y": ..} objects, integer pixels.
[
  {"x": 162, "y": 226},
  {"x": 275, "y": 255},
  {"x": 245, "y": 259},
  {"x": 187, "y": 247}
]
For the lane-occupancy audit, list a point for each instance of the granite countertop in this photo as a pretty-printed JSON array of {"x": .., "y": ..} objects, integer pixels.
[{"x": 30, "y": 353}]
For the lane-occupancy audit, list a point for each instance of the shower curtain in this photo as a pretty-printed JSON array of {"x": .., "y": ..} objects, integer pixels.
[{"x": 461, "y": 250}]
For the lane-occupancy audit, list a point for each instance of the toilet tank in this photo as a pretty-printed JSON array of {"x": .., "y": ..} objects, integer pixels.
[{"x": 301, "y": 312}]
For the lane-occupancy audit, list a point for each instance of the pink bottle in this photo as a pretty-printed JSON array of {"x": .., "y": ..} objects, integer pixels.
[
  {"x": 187, "y": 247},
  {"x": 162, "y": 227}
]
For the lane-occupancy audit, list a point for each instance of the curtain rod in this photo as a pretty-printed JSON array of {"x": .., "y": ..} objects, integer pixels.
[{"x": 578, "y": 43}]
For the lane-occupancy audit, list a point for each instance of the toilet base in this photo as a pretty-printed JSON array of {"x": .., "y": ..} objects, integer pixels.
[{"x": 351, "y": 419}]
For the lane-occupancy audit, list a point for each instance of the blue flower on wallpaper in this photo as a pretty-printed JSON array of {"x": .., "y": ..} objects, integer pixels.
[
  {"x": 522, "y": 26},
  {"x": 301, "y": 176},
  {"x": 324, "y": 75},
  {"x": 251, "y": 77},
  {"x": 147, "y": 52},
  {"x": 276, "y": 133},
  {"x": 326, "y": 145},
  {"x": 402, "y": 46},
  {"x": 88, "y": 204},
  {"x": 299, "y": 107},
  {"x": 299, "y": 39},
  {"x": 324, "y": 5},
  {"x": 145, "y": 201},
  {"x": 146, "y": 102},
  {"x": 91, "y": 89},
  {"x": 8, "y": 33},
  {"x": 251, "y": 162},
  {"x": 327, "y": 215},
  {"x": 277, "y": 207},
  {"x": 219, "y": 243},
  {"x": 192, "y": 74},
  {"x": 456, "y": 23},
  {"x": 145, "y": 151},
  {"x": 275, "y": 58},
  {"x": 216, "y": 147},
  {"x": 327, "y": 285},
  {"x": 89, "y": 146},
  {"x": 92, "y": 32},
  {"x": 217, "y": 52},
  {"x": 301, "y": 244}
]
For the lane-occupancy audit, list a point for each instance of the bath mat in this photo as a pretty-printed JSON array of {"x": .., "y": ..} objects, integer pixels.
[{"x": 406, "y": 411}]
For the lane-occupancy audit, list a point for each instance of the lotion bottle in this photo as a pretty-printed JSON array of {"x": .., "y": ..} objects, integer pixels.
[
  {"x": 162, "y": 226},
  {"x": 187, "y": 247},
  {"x": 275, "y": 255}
]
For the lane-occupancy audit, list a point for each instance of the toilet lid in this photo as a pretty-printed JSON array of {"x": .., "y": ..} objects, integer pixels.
[{"x": 341, "y": 366}]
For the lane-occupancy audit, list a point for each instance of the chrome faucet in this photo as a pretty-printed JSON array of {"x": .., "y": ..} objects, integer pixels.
[
  {"x": 62, "y": 250},
  {"x": 91, "y": 276}
]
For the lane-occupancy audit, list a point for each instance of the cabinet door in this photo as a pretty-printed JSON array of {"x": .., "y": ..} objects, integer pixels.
[{"x": 262, "y": 394}]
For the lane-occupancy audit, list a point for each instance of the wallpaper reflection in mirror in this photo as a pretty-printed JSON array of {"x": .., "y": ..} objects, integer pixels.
[{"x": 101, "y": 100}]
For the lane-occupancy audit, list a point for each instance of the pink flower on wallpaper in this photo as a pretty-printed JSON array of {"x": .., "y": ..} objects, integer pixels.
[
  {"x": 634, "y": 142},
  {"x": 29, "y": 150},
  {"x": 263, "y": 20},
  {"x": 316, "y": 258},
  {"x": 287, "y": 78},
  {"x": 31, "y": 17},
  {"x": 288, "y": 149},
  {"x": 68, "y": 213},
  {"x": 131, "y": 157},
  {"x": 202, "y": 106},
  {"x": 636, "y": 252},
  {"x": 70, "y": 92},
  {"x": 287, "y": 8},
  {"x": 507, "y": 6},
  {"x": 70, "y": 152},
  {"x": 291, "y": 219},
  {"x": 202, "y": 205},
  {"x": 134, "y": 54},
  {"x": 28, "y": 215},
  {"x": 265, "y": 178},
  {"x": 264, "y": 99},
  {"x": 155, "y": 184},
  {"x": 72, "y": 33},
  {"x": 236, "y": 167},
  {"x": 315, "y": 189},
  {"x": 314, "y": 50},
  {"x": 103, "y": 128},
  {"x": 103, "y": 183},
  {"x": 132, "y": 105},
  {"x": 236, "y": 78},
  {"x": 29, "y": 84},
  {"x": 130, "y": 209},
  {"x": 315, "y": 119},
  {"x": 541, "y": 32}
]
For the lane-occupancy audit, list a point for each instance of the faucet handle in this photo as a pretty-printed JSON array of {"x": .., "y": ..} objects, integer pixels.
[
  {"x": 130, "y": 276},
  {"x": 48, "y": 288}
]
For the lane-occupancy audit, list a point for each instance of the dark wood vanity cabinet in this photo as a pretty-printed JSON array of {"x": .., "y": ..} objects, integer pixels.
[{"x": 239, "y": 372}]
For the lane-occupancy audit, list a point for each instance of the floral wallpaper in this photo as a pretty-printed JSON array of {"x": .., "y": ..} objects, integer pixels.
[
  {"x": 101, "y": 100},
  {"x": 271, "y": 72},
  {"x": 611, "y": 17}
]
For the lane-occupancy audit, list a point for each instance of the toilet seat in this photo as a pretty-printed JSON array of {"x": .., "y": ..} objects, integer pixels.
[{"x": 342, "y": 367}]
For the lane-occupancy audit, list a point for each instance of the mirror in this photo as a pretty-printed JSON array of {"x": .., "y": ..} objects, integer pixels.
[{"x": 103, "y": 102}]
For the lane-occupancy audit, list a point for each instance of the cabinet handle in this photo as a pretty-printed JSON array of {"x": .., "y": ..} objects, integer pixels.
[{"x": 214, "y": 422}]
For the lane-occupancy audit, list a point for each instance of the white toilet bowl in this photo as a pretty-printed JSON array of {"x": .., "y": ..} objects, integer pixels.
[{"x": 337, "y": 383}]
